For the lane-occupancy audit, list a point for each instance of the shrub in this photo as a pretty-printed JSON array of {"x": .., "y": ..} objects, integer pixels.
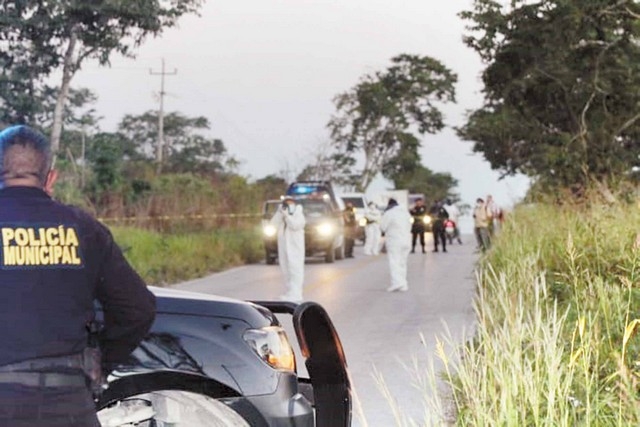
[
  {"x": 558, "y": 305},
  {"x": 163, "y": 258}
]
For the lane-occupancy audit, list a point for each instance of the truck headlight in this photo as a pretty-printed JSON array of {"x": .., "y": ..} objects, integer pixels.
[
  {"x": 269, "y": 230},
  {"x": 325, "y": 229},
  {"x": 362, "y": 222},
  {"x": 272, "y": 345},
  {"x": 426, "y": 219}
]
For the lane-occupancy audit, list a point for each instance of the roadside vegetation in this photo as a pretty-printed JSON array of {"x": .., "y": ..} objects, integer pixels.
[
  {"x": 558, "y": 302},
  {"x": 163, "y": 258},
  {"x": 558, "y": 307}
]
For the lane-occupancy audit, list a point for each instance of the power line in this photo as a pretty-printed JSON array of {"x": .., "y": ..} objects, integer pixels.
[{"x": 160, "y": 147}]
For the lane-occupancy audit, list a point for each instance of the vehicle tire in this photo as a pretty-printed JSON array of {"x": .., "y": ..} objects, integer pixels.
[
  {"x": 330, "y": 255},
  {"x": 192, "y": 409},
  {"x": 340, "y": 252}
]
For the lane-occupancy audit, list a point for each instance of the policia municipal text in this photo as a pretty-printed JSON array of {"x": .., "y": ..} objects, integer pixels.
[{"x": 55, "y": 262}]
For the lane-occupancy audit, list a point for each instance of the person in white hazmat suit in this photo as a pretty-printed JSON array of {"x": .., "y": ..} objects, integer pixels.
[
  {"x": 372, "y": 230},
  {"x": 396, "y": 226},
  {"x": 289, "y": 221}
]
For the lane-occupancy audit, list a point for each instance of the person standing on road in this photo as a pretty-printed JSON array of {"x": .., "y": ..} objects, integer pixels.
[
  {"x": 439, "y": 214},
  {"x": 56, "y": 261},
  {"x": 481, "y": 225},
  {"x": 372, "y": 230},
  {"x": 396, "y": 226},
  {"x": 289, "y": 221},
  {"x": 418, "y": 212},
  {"x": 350, "y": 229}
]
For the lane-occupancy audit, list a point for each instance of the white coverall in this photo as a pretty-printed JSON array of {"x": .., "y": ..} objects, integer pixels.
[
  {"x": 372, "y": 231},
  {"x": 396, "y": 224},
  {"x": 290, "y": 225}
]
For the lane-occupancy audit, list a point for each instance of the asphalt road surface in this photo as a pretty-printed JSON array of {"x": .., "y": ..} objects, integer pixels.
[{"x": 388, "y": 338}]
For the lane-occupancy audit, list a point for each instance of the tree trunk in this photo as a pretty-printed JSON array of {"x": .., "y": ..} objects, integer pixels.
[
  {"x": 604, "y": 190},
  {"x": 68, "y": 70}
]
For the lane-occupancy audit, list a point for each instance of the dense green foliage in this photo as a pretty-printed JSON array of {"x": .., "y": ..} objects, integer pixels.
[
  {"x": 379, "y": 117},
  {"x": 406, "y": 172},
  {"x": 186, "y": 149},
  {"x": 167, "y": 258},
  {"x": 39, "y": 37},
  {"x": 558, "y": 309},
  {"x": 562, "y": 89}
]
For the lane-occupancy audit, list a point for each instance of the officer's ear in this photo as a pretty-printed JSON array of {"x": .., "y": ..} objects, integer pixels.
[{"x": 50, "y": 181}]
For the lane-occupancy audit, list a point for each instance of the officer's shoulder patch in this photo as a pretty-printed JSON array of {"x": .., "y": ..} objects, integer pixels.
[{"x": 29, "y": 246}]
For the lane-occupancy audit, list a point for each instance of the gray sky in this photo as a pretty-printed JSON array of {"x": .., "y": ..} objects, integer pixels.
[{"x": 264, "y": 73}]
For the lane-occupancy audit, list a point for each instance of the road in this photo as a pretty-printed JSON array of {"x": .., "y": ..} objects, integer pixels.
[{"x": 388, "y": 338}]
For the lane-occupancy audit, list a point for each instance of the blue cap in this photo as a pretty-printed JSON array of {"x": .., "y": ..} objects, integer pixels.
[{"x": 8, "y": 135}]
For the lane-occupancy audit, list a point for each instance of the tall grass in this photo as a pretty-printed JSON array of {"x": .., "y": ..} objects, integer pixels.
[
  {"x": 165, "y": 258},
  {"x": 557, "y": 306}
]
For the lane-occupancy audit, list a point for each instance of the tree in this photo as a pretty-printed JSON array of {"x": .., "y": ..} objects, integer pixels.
[
  {"x": 106, "y": 158},
  {"x": 39, "y": 36},
  {"x": 562, "y": 89},
  {"x": 186, "y": 150},
  {"x": 379, "y": 116},
  {"x": 271, "y": 187},
  {"x": 407, "y": 172}
]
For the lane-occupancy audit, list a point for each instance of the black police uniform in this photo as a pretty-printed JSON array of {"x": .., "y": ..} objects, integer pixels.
[
  {"x": 439, "y": 214},
  {"x": 55, "y": 261},
  {"x": 417, "y": 227}
]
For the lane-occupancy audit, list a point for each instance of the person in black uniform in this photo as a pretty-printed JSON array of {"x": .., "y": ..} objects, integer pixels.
[
  {"x": 350, "y": 229},
  {"x": 55, "y": 262},
  {"x": 439, "y": 214},
  {"x": 418, "y": 212}
]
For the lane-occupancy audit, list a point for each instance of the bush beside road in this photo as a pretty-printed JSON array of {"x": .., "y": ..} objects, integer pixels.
[
  {"x": 165, "y": 258},
  {"x": 558, "y": 309}
]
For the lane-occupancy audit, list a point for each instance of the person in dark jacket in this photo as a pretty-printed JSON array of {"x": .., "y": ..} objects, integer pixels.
[
  {"x": 56, "y": 262},
  {"x": 418, "y": 213},
  {"x": 439, "y": 214}
]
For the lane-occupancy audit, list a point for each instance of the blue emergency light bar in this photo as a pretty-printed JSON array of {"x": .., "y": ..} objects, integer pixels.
[{"x": 303, "y": 189}]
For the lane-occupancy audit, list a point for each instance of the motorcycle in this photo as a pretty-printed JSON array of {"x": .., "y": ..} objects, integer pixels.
[{"x": 450, "y": 230}]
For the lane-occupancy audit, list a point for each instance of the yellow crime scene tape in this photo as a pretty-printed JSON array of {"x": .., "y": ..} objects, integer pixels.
[{"x": 174, "y": 217}]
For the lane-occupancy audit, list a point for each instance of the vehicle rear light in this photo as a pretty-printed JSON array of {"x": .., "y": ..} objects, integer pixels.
[{"x": 272, "y": 345}]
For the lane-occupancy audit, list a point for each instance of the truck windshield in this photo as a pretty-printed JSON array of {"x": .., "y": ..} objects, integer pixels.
[
  {"x": 314, "y": 207},
  {"x": 357, "y": 202}
]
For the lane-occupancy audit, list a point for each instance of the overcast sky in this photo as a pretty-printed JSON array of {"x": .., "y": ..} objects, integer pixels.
[{"x": 264, "y": 72}]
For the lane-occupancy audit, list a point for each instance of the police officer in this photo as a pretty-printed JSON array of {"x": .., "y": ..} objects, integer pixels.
[
  {"x": 418, "y": 212},
  {"x": 439, "y": 214},
  {"x": 55, "y": 261}
]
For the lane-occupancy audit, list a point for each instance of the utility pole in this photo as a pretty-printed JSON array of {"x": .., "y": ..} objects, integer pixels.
[{"x": 160, "y": 146}]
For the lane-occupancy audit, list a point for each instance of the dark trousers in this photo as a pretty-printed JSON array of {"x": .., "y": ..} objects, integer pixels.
[
  {"x": 483, "y": 238},
  {"x": 414, "y": 238},
  {"x": 22, "y": 406},
  {"x": 348, "y": 246},
  {"x": 439, "y": 236}
]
